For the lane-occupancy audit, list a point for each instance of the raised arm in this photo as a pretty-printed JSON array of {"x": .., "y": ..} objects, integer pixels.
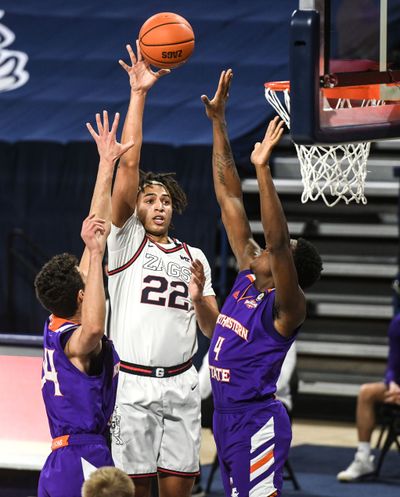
[
  {"x": 141, "y": 79},
  {"x": 290, "y": 304},
  {"x": 85, "y": 342},
  {"x": 226, "y": 179},
  {"x": 109, "y": 152}
]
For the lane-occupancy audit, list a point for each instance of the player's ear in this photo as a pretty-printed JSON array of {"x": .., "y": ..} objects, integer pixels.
[{"x": 79, "y": 298}]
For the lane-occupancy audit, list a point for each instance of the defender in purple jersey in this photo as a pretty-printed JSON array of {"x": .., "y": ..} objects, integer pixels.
[
  {"x": 80, "y": 365},
  {"x": 258, "y": 321}
]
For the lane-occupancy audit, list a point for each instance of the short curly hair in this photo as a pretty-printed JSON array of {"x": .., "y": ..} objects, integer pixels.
[
  {"x": 308, "y": 263},
  {"x": 57, "y": 285},
  {"x": 178, "y": 196}
]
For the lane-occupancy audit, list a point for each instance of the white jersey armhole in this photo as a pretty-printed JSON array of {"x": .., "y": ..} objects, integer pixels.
[{"x": 124, "y": 242}]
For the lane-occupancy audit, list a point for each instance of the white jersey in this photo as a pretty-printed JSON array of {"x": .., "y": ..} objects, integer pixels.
[{"x": 152, "y": 317}]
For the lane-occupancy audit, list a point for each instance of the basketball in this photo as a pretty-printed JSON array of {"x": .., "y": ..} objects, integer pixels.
[{"x": 166, "y": 40}]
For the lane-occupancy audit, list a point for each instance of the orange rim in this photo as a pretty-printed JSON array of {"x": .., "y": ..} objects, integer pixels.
[
  {"x": 278, "y": 85},
  {"x": 366, "y": 92}
]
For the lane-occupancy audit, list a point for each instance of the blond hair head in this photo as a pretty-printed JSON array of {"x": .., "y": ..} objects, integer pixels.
[{"x": 108, "y": 482}]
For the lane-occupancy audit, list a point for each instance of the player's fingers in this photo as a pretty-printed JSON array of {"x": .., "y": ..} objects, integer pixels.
[
  {"x": 205, "y": 100},
  {"x": 105, "y": 121},
  {"x": 92, "y": 131},
  {"x": 195, "y": 274},
  {"x": 271, "y": 127},
  {"x": 123, "y": 65},
  {"x": 132, "y": 55},
  {"x": 198, "y": 277},
  {"x": 94, "y": 226},
  {"x": 220, "y": 84},
  {"x": 227, "y": 81},
  {"x": 276, "y": 129},
  {"x": 98, "y": 220},
  {"x": 115, "y": 124},
  {"x": 163, "y": 72},
  {"x": 198, "y": 283},
  {"x": 273, "y": 122},
  {"x": 126, "y": 146},
  {"x": 138, "y": 51},
  {"x": 268, "y": 131},
  {"x": 97, "y": 227},
  {"x": 98, "y": 230},
  {"x": 99, "y": 124},
  {"x": 196, "y": 264},
  {"x": 89, "y": 229},
  {"x": 280, "y": 133},
  {"x": 93, "y": 220},
  {"x": 277, "y": 133}
]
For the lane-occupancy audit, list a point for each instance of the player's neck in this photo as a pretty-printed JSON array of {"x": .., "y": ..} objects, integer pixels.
[
  {"x": 159, "y": 238},
  {"x": 76, "y": 318},
  {"x": 263, "y": 283}
]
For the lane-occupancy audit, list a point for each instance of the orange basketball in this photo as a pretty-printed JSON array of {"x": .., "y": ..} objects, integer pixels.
[{"x": 166, "y": 40}]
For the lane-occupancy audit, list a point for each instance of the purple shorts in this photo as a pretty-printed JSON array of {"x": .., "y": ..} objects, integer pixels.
[
  {"x": 253, "y": 444},
  {"x": 66, "y": 468}
]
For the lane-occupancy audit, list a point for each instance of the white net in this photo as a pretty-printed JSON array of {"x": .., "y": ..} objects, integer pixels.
[{"x": 330, "y": 172}]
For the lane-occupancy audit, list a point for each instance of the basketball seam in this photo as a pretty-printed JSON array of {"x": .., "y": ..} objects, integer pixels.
[
  {"x": 165, "y": 24},
  {"x": 166, "y": 44}
]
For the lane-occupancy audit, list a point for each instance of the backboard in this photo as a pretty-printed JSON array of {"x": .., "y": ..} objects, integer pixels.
[{"x": 345, "y": 50}]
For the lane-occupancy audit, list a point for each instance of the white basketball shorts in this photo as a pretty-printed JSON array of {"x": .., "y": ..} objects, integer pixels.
[{"x": 156, "y": 425}]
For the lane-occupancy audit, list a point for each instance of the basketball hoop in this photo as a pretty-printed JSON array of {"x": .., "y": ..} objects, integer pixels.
[{"x": 332, "y": 172}]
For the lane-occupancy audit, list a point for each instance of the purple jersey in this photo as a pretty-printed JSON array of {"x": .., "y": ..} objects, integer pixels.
[
  {"x": 246, "y": 351},
  {"x": 393, "y": 364},
  {"x": 76, "y": 403}
]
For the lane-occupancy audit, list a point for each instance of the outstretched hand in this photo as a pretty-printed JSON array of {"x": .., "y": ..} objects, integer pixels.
[
  {"x": 141, "y": 76},
  {"x": 108, "y": 147},
  {"x": 94, "y": 233},
  {"x": 215, "y": 108},
  {"x": 197, "y": 281},
  {"x": 262, "y": 151}
]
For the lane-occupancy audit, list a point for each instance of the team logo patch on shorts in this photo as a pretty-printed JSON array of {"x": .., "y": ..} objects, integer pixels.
[{"x": 116, "y": 427}]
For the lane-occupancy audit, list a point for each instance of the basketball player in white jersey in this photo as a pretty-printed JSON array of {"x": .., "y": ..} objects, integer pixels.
[{"x": 156, "y": 296}]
